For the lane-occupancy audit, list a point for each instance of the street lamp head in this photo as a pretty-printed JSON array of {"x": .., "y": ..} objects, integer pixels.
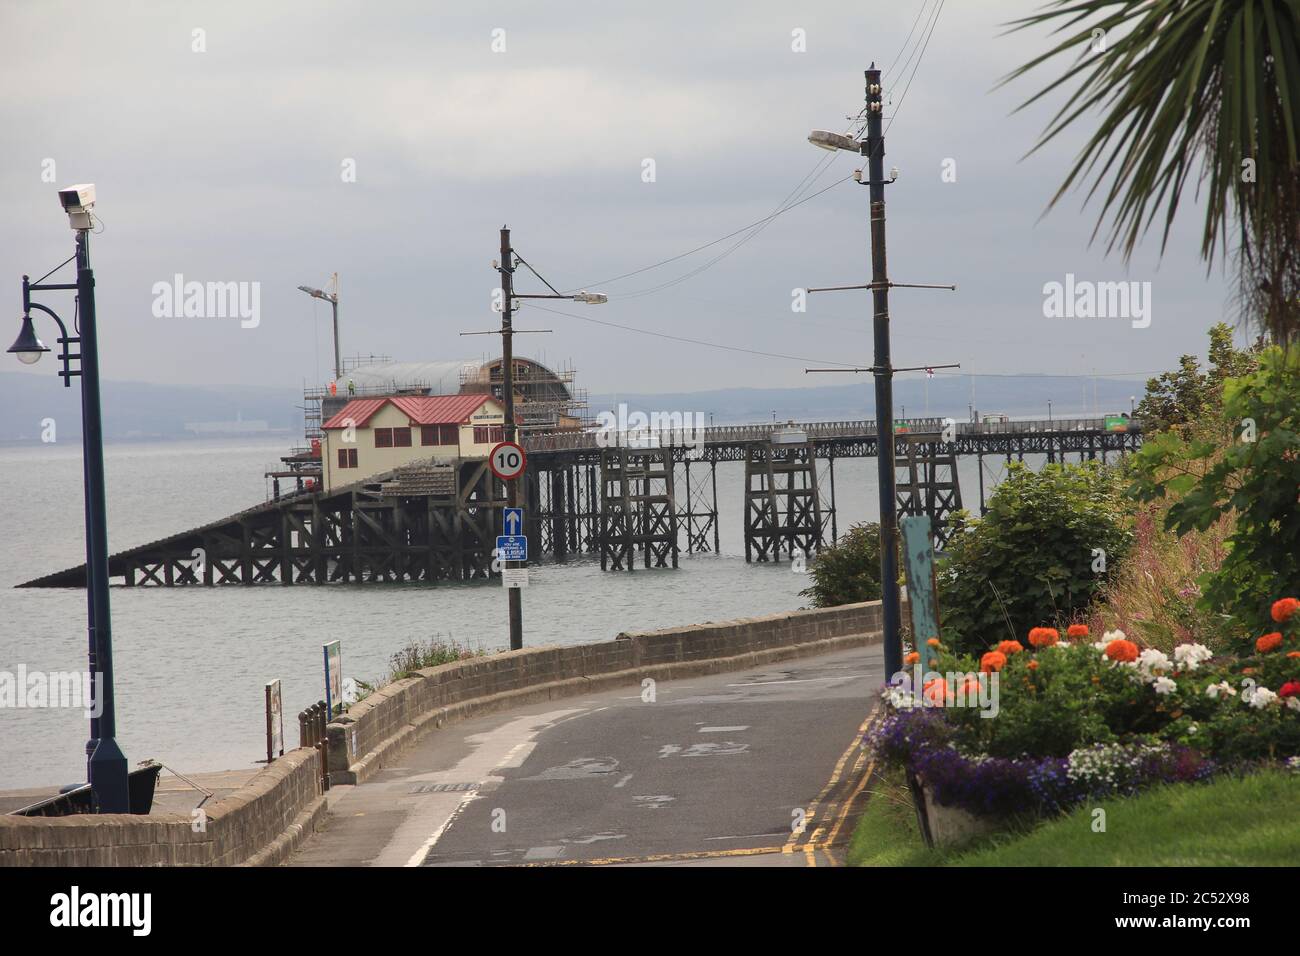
[
  {"x": 591, "y": 298},
  {"x": 314, "y": 293},
  {"x": 27, "y": 346},
  {"x": 825, "y": 139}
]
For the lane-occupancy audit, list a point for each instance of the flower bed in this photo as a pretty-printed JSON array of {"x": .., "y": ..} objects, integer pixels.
[{"x": 1034, "y": 729}]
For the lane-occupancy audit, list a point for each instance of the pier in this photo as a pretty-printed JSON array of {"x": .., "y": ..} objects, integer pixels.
[{"x": 633, "y": 498}]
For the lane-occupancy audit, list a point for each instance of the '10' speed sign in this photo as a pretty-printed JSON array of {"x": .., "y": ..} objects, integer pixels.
[{"x": 507, "y": 460}]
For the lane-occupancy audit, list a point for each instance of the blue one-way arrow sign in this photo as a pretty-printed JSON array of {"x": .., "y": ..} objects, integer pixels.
[{"x": 514, "y": 522}]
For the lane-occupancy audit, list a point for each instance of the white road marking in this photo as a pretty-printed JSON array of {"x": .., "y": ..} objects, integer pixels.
[
  {"x": 800, "y": 680},
  {"x": 544, "y": 853},
  {"x": 626, "y": 778},
  {"x": 499, "y": 748},
  {"x": 723, "y": 730}
]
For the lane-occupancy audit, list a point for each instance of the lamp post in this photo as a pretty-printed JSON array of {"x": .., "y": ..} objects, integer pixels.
[
  {"x": 333, "y": 299},
  {"x": 872, "y": 146},
  {"x": 106, "y": 764}
]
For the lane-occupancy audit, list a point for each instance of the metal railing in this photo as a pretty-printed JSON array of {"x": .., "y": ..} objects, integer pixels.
[
  {"x": 311, "y": 733},
  {"x": 738, "y": 434}
]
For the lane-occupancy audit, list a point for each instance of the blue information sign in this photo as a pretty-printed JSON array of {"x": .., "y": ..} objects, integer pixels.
[
  {"x": 513, "y": 521},
  {"x": 512, "y": 547}
]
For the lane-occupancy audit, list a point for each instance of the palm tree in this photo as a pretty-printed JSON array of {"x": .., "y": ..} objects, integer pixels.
[{"x": 1202, "y": 90}]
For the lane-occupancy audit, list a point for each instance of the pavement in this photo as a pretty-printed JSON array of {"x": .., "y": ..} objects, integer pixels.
[
  {"x": 174, "y": 793},
  {"x": 761, "y": 767}
]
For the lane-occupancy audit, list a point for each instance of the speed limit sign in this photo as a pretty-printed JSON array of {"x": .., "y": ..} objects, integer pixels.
[{"x": 507, "y": 460}]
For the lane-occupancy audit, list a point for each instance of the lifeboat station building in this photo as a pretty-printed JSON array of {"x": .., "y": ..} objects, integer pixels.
[{"x": 370, "y": 436}]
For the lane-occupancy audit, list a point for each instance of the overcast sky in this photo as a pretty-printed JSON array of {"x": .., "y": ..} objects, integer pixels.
[{"x": 230, "y": 164}]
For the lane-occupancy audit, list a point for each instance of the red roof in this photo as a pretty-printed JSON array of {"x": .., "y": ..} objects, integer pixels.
[{"x": 420, "y": 409}]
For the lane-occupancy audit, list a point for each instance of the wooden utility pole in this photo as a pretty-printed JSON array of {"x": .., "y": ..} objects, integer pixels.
[
  {"x": 873, "y": 147},
  {"x": 507, "y": 268},
  {"x": 884, "y": 373}
]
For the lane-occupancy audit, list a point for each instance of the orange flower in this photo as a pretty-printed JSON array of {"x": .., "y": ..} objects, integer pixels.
[
  {"x": 1010, "y": 647},
  {"x": 1122, "y": 650},
  {"x": 1269, "y": 642},
  {"x": 993, "y": 661},
  {"x": 912, "y": 658},
  {"x": 1283, "y": 609},
  {"x": 1044, "y": 636},
  {"x": 1033, "y": 665},
  {"x": 1077, "y": 630},
  {"x": 933, "y": 642},
  {"x": 971, "y": 686},
  {"x": 1293, "y": 653},
  {"x": 935, "y": 691}
]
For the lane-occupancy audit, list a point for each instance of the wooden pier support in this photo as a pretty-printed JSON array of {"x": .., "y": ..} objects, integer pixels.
[
  {"x": 782, "y": 503},
  {"x": 638, "y": 511}
]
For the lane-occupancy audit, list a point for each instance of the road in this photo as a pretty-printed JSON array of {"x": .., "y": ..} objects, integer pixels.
[{"x": 717, "y": 770}]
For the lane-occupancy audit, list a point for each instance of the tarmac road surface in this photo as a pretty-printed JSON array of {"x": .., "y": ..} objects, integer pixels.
[{"x": 755, "y": 767}]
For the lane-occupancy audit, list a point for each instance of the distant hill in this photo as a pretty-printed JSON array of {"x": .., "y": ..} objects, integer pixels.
[
  {"x": 949, "y": 396},
  {"x": 137, "y": 410}
]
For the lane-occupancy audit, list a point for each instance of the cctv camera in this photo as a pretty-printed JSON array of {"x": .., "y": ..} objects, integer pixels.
[{"x": 77, "y": 202}]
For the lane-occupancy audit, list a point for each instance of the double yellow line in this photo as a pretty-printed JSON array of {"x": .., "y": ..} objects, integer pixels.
[{"x": 861, "y": 772}]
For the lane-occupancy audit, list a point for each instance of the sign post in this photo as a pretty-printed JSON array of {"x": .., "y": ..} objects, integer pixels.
[
  {"x": 274, "y": 721},
  {"x": 918, "y": 558},
  {"x": 508, "y": 461},
  {"x": 333, "y": 676}
]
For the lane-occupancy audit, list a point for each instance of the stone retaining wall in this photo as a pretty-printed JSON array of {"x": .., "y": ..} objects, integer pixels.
[
  {"x": 373, "y": 730},
  {"x": 260, "y": 823}
]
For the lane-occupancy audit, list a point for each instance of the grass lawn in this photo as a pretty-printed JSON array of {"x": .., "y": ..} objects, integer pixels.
[{"x": 1249, "y": 821}]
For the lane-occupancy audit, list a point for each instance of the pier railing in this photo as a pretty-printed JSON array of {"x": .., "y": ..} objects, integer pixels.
[{"x": 793, "y": 431}]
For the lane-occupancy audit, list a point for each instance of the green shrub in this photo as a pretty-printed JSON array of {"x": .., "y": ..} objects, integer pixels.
[
  {"x": 1039, "y": 554},
  {"x": 848, "y": 571},
  {"x": 1254, "y": 476}
]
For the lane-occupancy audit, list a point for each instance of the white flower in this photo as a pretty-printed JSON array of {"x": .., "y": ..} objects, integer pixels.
[
  {"x": 1293, "y": 703},
  {"x": 1222, "y": 687},
  {"x": 1259, "y": 698},
  {"x": 1113, "y": 636},
  {"x": 1192, "y": 728},
  {"x": 1152, "y": 663},
  {"x": 1164, "y": 685},
  {"x": 1191, "y": 655}
]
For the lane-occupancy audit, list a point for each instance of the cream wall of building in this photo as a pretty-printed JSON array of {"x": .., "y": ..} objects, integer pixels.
[{"x": 374, "y": 461}]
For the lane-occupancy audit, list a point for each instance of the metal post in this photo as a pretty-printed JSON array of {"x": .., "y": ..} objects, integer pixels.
[
  {"x": 890, "y": 611},
  {"x": 334, "y": 303},
  {"x": 508, "y": 388},
  {"x": 108, "y": 770}
]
